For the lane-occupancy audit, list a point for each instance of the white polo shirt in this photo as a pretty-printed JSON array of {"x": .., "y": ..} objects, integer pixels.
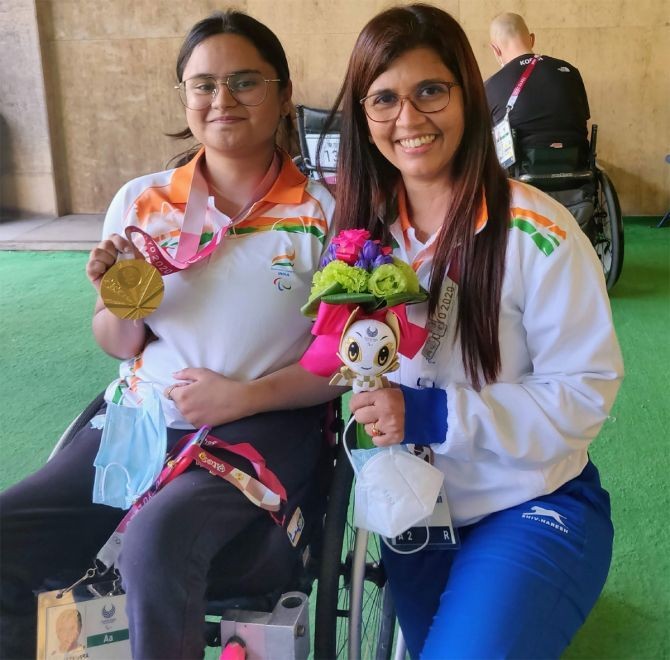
[{"x": 238, "y": 311}]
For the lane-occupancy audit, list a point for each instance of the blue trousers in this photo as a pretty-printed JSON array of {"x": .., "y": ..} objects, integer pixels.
[{"x": 521, "y": 584}]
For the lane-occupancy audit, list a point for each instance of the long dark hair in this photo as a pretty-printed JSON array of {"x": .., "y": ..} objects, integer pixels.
[
  {"x": 266, "y": 42},
  {"x": 367, "y": 182}
]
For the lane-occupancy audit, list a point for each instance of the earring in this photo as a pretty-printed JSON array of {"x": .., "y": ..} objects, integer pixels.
[{"x": 370, "y": 140}]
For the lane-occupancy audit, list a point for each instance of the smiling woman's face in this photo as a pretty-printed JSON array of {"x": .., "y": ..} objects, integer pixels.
[
  {"x": 228, "y": 126},
  {"x": 421, "y": 145}
]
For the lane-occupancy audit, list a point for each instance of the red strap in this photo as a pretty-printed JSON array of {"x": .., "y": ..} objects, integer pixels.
[
  {"x": 521, "y": 82},
  {"x": 266, "y": 476},
  {"x": 243, "y": 449}
]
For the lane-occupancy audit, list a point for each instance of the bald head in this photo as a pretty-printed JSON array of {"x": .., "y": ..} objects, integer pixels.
[{"x": 510, "y": 37}]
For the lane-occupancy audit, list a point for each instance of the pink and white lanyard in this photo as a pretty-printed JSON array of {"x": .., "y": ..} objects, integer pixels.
[
  {"x": 266, "y": 492},
  {"x": 194, "y": 219},
  {"x": 521, "y": 82}
]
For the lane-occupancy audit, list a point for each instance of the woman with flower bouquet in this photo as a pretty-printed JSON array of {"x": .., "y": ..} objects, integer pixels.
[{"x": 521, "y": 365}]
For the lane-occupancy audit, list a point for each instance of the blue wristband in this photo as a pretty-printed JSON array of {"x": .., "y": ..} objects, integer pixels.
[{"x": 425, "y": 415}]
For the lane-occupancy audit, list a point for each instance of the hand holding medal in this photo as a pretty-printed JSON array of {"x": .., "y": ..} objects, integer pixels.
[{"x": 129, "y": 287}]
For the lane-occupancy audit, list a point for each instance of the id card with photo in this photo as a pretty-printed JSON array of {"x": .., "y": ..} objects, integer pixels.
[
  {"x": 82, "y": 626},
  {"x": 504, "y": 142}
]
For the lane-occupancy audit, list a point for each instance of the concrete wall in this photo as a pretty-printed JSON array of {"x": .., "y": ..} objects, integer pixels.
[
  {"x": 26, "y": 168},
  {"x": 109, "y": 77}
]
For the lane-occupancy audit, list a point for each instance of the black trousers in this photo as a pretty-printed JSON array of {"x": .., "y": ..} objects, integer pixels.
[{"x": 49, "y": 525}]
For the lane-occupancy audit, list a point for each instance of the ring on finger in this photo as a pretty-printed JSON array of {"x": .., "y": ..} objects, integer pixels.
[
  {"x": 168, "y": 394},
  {"x": 374, "y": 431}
]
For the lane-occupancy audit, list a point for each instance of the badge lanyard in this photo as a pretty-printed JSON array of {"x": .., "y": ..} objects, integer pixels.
[
  {"x": 438, "y": 530},
  {"x": 441, "y": 325},
  {"x": 521, "y": 83},
  {"x": 266, "y": 492},
  {"x": 502, "y": 131}
]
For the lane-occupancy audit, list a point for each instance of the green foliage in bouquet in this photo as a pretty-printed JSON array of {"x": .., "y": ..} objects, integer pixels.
[{"x": 357, "y": 270}]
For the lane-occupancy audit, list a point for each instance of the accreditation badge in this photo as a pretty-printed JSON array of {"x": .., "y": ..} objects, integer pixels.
[
  {"x": 86, "y": 622},
  {"x": 504, "y": 142}
]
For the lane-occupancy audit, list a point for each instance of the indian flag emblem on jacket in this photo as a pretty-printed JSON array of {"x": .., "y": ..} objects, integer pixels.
[{"x": 546, "y": 235}]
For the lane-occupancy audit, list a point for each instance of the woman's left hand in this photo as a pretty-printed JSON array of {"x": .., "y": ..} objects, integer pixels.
[
  {"x": 206, "y": 397},
  {"x": 383, "y": 413}
]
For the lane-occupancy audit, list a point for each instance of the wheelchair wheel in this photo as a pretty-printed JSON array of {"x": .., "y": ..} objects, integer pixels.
[
  {"x": 354, "y": 612},
  {"x": 607, "y": 229},
  {"x": 78, "y": 424}
]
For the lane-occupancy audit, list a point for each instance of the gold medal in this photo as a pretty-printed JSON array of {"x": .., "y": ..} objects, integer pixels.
[{"x": 132, "y": 289}]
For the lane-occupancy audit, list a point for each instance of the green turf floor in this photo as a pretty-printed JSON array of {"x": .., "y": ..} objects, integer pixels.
[{"x": 52, "y": 368}]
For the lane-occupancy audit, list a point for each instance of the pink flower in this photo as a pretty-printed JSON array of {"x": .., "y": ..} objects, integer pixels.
[{"x": 349, "y": 243}]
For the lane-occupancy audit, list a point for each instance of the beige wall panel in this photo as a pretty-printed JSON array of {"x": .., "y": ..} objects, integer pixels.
[
  {"x": 572, "y": 14},
  {"x": 109, "y": 69},
  {"x": 538, "y": 13},
  {"x": 629, "y": 98},
  {"x": 125, "y": 19},
  {"x": 318, "y": 37},
  {"x": 300, "y": 17},
  {"x": 288, "y": 17},
  {"x": 569, "y": 14},
  {"x": 29, "y": 193},
  {"x": 119, "y": 102},
  {"x": 25, "y": 151},
  {"x": 318, "y": 65},
  {"x": 627, "y": 13}
]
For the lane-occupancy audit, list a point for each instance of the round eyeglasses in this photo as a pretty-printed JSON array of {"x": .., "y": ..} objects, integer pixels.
[
  {"x": 426, "y": 98},
  {"x": 247, "y": 88}
]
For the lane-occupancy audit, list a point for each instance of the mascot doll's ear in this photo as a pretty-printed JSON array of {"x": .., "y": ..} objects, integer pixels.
[
  {"x": 343, "y": 334},
  {"x": 392, "y": 321},
  {"x": 350, "y": 320}
]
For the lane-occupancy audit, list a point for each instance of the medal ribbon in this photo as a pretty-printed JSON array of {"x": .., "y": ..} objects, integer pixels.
[
  {"x": 194, "y": 219},
  {"x": 521, "y": 82},
  {"x": 266, "y": 492}
]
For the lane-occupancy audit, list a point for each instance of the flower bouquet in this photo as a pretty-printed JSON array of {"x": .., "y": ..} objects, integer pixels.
[
  {"x": 360, "y": 280},
  {"x": 359, "y": 271}
]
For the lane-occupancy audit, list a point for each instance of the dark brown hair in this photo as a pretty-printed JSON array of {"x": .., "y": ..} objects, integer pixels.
[
  {"x": 265, "y": 42},
  {"x": 367, "y": 182}
]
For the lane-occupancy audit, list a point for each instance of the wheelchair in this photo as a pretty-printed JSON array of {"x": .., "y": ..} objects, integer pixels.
[
  {"x": 585, "y": 189},
  {"x": 354, "y": 615},
  {"x": 318, "y": 149}
]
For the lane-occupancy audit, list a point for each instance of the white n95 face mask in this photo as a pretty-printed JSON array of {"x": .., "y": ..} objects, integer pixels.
[{"x": 394, "y": 491}]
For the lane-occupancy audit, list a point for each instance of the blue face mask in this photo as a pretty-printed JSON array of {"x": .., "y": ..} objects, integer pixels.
[{"x": 132, "y": 450}]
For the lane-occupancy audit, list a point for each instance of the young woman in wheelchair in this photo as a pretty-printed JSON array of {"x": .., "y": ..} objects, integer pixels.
[
  {"x": 522, "y": 363},
  {"x": 218, "y": 350}
]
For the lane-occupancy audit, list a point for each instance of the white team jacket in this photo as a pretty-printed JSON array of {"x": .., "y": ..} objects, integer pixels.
[{"x": 526, "y": 434}]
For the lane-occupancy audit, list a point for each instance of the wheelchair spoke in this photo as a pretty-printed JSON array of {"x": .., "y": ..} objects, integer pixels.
[{"x": 356, "y": 619}]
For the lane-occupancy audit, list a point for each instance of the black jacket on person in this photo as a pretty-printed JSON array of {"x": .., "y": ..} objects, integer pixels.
[{"x": 552, "y": 107}]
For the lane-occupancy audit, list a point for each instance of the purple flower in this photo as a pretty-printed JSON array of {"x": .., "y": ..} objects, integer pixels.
[
  {"x": 328, "y": 257},
  {"x": 369, "y": 252},
  {"x": 381, "y": 260},
  {"x": 372, "y": 255}
]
